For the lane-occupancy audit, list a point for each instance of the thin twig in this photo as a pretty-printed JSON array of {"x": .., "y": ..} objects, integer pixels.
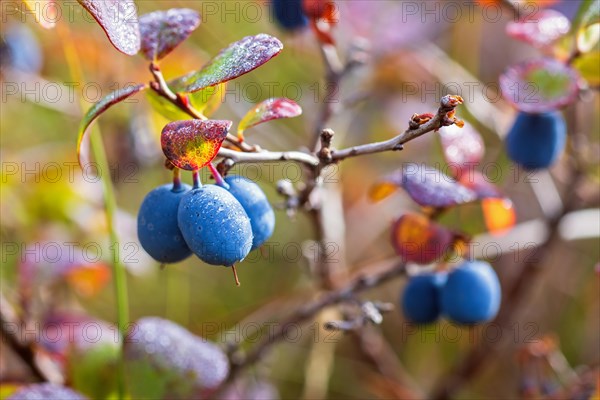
[
  {"x": 23, "y": 350},
  {"x": 441, "y": 118},
  {"x": 310, "y": 310}
]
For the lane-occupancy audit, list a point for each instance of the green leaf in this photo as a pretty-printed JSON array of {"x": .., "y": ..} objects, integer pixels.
[
  {"x": 237, "y": 59},
  {"x": 98, "y": 108},
  {"x": 164, "y": 107},
  {"x": 119, "y": 20},
  {"x": 588, "y": 37},
  {"x": 269, "y": 110},
  {"x": 209, "y": 99},
  {"x": 587, "y": 65},
  {"x": 192, "y": 144},
  {"x": 163, "y": 31},
  {"x": 95, "y": 370}
]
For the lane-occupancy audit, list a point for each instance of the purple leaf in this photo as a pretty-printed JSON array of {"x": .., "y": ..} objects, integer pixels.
[
  {"x": 193, "y": 364},
  {"x": 46, "y": 391},
  {"x": 237, "y": 59},
  {"x": 540, "y": 85},
  {"x": 269, "y": 110},
  {"x": 163, "y": 31},
  {"x": 430, "y": 187},
  {"x": 104, "y": 104},
  {"x": 463, "y": 147},
  {"x": 540, "y": 29},
  {"x": 191, "y": 144},
  {"x": 119, "y": 20}
]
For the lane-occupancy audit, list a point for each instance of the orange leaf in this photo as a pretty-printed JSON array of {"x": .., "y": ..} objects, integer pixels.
[{"x": 499, "y": 214}]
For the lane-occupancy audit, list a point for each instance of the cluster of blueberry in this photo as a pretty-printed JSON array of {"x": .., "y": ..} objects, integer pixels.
[
  {"x": 219, "y": 223},
  {"x": 469, "y": 294}
]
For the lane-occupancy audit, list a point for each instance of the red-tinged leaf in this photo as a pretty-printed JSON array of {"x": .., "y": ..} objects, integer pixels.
[
  {"x": 104, "y": 104},
  {"x": 237, "y": 59},
  {"x": 119, "y": 20},
  {"x": 540, "y": 85},
  {"x": 430, "y": 187},
  {"x": 192, "y": 144},
  {"x": 463, "y": 148},
  {"x": 540, "y": 29},
  {"x": 45, "y": 12},
  {"x": 163, "y": 31},
  {"x": 269, "y": 110},
  {"x": 418, "y": 239},
  {"x": 499, "y": 214}
]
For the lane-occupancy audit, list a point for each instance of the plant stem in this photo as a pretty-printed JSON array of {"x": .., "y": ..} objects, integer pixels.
[
  {"x": 218, "y": 178},
  {"x": 110, "y": 208}
]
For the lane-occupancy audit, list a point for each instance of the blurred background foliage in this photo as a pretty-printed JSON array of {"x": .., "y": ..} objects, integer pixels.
[{"x": 46, "y": 198}]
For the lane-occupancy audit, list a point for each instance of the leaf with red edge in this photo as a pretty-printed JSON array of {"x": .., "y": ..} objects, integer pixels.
[
  {"x": 540, "y": 29},
  {"x": 237, "y": 59},
  {"x": 418, "y": 239},
  {"x": 104, "y": 104},
  {"x": 540, "y": 85},
  {"x": 192, "y": 144},
  {"x": 163, "y": 31},
  {"x": 269, "y": 110},
  {"x": 45, "y": 12},
  {"x": 430, "y": 187},
  {"x": 118, "y": 18},
  {"x": 463, "y": 148}
]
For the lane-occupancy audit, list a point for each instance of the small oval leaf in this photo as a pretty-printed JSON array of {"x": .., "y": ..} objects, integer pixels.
[
  {"x": 163, "y": 31},
  {"x": 192, "y": 144},
  {"x": 118, "y": 18},
  {"x": 105, "y": 103},
  {"x": 268, "y": 110},
  {"x": 208, "y": 100},
  {"x": 418, "y": 239},
  {"x": 540, "y": 85},
  {"x": 46, "y": 391},
  {"x": 540, "y": 29},
  {"x": 430, "y": 187},
  {"x": 164, "y": 107},
  {"x": 587, "y": 65},
  {"x": 165, "y": 360},
  {"x": 237, "y": 59},
  {"x": 499, "y": 214},
  {"x": 463, "y": 147}
]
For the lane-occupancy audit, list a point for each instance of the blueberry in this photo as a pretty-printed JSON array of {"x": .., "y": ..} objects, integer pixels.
[
  {"x": 215, "y": 225},
  {"x": 471, "y": 294},
  {"x": 420, "y": 299},
  {"x": 536, "y": 140},
  {"x": 256, "y": 205},
  {"x": 289, "y": 14},
  {"x": 158, "y": 230}
]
